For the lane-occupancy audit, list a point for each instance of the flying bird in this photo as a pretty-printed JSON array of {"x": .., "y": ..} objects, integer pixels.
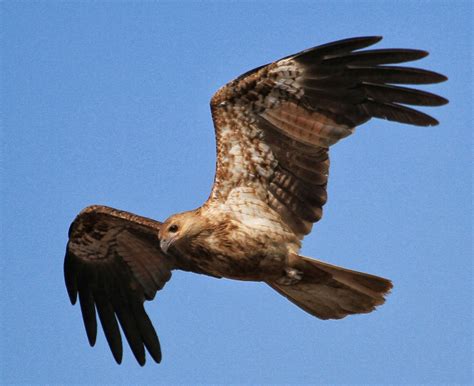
[{"x": 274, "y": 126}]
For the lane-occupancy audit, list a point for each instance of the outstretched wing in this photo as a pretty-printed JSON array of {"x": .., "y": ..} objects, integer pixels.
[
  {"x": 114, "y": 262},
  {"x": 275, "y": 124}
]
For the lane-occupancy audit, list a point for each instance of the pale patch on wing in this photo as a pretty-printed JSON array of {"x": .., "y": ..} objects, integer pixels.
[
  {"x": 286, "y": 76},
  {"x": 243, "y": 158},
  {"x": 249, "y": 209},
  {"x": 310, "y": 128}
]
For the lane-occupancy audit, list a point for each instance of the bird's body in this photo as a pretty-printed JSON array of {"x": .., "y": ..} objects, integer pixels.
[
  {"x": 225, "y": 246},
  {"x": 274, "y": 126}
]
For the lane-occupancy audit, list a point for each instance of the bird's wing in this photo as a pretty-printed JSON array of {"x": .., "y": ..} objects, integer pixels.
[
  {"x": 114, "y": 262},
  {"x": 275, "y": 124}
]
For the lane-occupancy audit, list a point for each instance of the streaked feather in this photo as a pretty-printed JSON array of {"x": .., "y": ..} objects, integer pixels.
[{"x": 300, "y": 106}]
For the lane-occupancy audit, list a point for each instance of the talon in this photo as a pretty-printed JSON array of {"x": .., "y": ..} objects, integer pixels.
[{"x": 292, "y": 276}]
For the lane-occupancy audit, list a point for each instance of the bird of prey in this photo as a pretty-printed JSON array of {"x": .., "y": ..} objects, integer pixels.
[{"x": 274, "y": 126}]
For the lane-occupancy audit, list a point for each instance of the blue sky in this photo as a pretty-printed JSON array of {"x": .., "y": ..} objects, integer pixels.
[{"x": 107, "y": 103}]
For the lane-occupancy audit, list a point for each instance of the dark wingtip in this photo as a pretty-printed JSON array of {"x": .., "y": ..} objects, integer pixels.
[
  {"x": 429, "y": 121},
  {"x": 91, "y": 337},
  {"x": 155, "y": 354},
  {"x": 88, "y": 316},
  {"x": 398, "y": 113},
  {"x": 117, "y": 357},
  {"x": 338, "y": 47},
  {"x": 423, "y": 53},
  {"x": 141, "y": 360},
  {"x": 72, "y": 296},
  {"x": 374, "y": 38},
  {"x": 365, "y": 40},
  {"x": 70, "y": 278},
  {"x": 407, "y": 54},
  {"x": 439, "y": 78},
  {"x": 117, "y": 353},
  {"x": 442, "y": 101}
]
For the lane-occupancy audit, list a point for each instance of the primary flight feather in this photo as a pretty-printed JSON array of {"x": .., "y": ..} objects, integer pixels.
[{"x": 274, "y": 126}]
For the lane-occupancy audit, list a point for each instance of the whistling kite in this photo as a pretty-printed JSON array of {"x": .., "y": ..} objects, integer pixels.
[{"x": 274, "y": 126}]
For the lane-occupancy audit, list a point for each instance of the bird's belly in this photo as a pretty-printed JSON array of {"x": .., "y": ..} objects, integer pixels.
[
  {"x": 242, "y": 251},
  {"x": 250, "y": 267}
]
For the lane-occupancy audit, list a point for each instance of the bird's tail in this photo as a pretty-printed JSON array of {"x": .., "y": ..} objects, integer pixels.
[{"x": 330, "y": 292}]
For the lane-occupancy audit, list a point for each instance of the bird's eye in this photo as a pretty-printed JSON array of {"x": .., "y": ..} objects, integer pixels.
[{"x": 173, "y": 228}]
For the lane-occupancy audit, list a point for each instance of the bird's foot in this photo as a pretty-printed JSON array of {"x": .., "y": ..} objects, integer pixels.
[{"x": 292, "y": 276}]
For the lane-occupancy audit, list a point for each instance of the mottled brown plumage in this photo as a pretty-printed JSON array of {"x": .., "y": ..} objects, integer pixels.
[{"x": 274, "y": 126}]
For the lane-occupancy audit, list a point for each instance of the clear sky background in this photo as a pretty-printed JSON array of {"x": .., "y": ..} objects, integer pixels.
[{"x": 108, "y": 103}]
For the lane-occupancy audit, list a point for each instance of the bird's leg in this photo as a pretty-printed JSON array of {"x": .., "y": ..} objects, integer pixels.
[{"x": 291, "y": 274}]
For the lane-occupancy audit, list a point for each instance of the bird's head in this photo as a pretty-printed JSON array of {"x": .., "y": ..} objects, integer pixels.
[{"x": 178, "y": 228}]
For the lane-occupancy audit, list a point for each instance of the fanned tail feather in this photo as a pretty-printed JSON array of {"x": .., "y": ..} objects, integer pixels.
[{"x": 331, "y": 292}]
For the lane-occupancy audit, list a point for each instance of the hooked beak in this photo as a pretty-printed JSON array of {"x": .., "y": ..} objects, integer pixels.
[{"x": 165, "y": 244}]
